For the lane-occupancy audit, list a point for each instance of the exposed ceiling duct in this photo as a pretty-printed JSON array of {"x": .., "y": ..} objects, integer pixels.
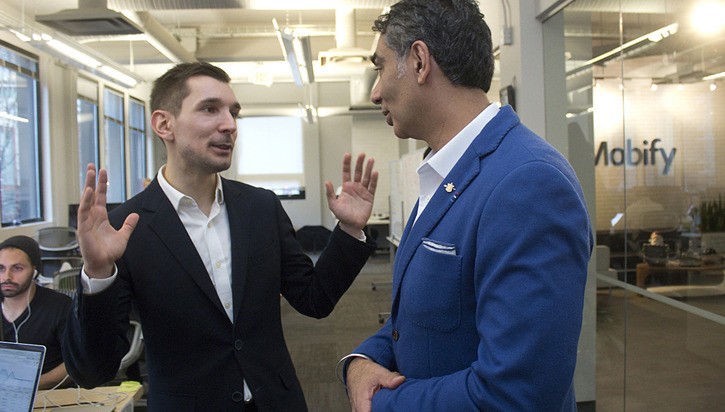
[
  {"x": 91, "y": 18},
  {"x": 345, "y": 50},
  {"x": 162, "y": 39}
]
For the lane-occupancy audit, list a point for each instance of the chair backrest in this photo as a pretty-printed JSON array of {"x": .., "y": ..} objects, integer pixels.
[
  {"x": 57, "y": 239},
  {"x": 66, "y": 281},
  {"x": 136, "y": 339}
]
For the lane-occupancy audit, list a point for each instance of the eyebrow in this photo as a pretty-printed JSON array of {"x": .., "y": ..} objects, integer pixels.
[
  {"x": 374, "y": 58},
  {"x": 217, "y": 101}
]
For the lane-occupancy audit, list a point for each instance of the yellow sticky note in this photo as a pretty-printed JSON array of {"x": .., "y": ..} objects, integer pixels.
[{"x": 129, "y": 386}]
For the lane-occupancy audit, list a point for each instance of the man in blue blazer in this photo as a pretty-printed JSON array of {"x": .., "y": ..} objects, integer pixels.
[
  {"x": 488, "y": 280},
  {"x": 204, "y": 260}
]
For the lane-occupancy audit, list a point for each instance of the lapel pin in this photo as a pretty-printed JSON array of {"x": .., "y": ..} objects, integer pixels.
[{"x": 449, "y": 187}]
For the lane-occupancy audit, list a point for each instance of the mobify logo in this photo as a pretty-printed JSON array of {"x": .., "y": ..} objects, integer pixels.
[{"x": 634, "y": 156}]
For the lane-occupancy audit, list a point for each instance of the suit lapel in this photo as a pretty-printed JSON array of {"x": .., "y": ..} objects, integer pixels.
[
  {"x": 165, "y": 223},
  {"x": 238, "y": 211},
  {"x": 462, "y": 174}
]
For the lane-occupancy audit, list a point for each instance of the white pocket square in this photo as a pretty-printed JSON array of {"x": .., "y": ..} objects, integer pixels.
[{"x": 437, "y": 247}]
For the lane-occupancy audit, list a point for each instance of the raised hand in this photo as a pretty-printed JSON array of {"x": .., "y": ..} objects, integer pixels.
[
  {"x": 101, "y": 245},
  {"x": 355, "y": 203}
]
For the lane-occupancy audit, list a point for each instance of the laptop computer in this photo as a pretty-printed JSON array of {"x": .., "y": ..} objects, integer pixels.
[{"x": 21, "y": 365}]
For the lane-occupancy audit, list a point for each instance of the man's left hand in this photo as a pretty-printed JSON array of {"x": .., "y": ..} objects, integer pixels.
[{"x": 354, "y": 204}]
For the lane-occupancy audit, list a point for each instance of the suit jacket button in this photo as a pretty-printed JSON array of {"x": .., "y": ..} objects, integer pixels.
[
  {"x": 238, "y": 344},
  {"x": 395, "y": 335},
  {"x": 237, "y": 396}
]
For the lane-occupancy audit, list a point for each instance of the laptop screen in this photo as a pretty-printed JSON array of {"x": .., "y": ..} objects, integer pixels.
[{"x": 21, "y": 365}]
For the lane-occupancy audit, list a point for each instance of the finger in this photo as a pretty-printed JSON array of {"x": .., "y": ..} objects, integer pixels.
[
  {"x": 330, "y": 191},
  {"x": 101, "y": 188},
  {"x": 346, "y": 159},
  {"x": 373, "y": 183},
  {"x": 129, "y": 225},
  {"x": 91, "y": 176},
  {"x": 359, "y": 167},
  {"x": 368, "y": 172},
  {"x": 393, "y": 381}
]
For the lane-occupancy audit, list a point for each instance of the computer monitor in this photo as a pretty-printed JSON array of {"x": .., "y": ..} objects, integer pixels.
[{"x": 73, "y": 213}]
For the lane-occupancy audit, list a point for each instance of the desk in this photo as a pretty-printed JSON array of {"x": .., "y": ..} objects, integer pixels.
[
  {"x": 106, "y": 395},
  {"x": 645, "y": 270}
]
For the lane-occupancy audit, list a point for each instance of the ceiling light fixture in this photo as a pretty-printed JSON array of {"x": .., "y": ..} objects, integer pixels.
[
  {"x": 714, "y": 76},
  {"x": 707, "y": 17},
  {"x": 296, "y": 51},
  {"x": 654, "y": 36},
  {"x": 713, "y": 86},
  {"x": 73, "y": 53}
]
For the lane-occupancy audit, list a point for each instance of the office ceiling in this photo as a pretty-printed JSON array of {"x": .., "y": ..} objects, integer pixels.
[
  {"x": 685, "y": 56},
  {"x": 241, "y": 31}
]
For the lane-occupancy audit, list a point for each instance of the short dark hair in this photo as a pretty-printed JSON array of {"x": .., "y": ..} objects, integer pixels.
[
  {"x": 454, "y": 31},
  {"x": 171, "y": 88}
]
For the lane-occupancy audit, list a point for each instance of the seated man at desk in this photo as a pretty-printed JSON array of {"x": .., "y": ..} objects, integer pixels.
[{"x": 32, "y": 313}]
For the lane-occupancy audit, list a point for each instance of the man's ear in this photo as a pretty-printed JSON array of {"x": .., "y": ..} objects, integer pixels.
[
  {"x": 422, "y": 60},
  {"x": 162, "y": 123}
]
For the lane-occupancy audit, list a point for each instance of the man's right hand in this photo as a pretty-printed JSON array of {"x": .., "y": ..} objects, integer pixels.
[
  {"x": 101, "y": 245},
  {"x": 364, "y": 379}
]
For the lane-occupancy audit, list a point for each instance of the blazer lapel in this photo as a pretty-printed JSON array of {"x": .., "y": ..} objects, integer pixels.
[
  {"x": 465, "y": 170},
  {"x": 165, "y": 223},
  {"x": 238, "y": 211}
]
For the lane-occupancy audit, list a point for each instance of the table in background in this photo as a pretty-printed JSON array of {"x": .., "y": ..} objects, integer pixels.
[
  {"x": 106, "y": 395},
  {"x": 645, "y": 270}
]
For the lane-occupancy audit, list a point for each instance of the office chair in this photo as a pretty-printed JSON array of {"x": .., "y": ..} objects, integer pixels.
[
  {"x": 57, "y": 239},
  {"x": 66, "y": 281},
  {"x": 58, "y": 245},
  {"x": 136, "y": 339}
]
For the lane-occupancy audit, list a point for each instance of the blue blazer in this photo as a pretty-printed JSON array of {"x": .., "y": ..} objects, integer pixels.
[
  {"x": 488, "y": 284},
  {"x": 197, "y": 358}
]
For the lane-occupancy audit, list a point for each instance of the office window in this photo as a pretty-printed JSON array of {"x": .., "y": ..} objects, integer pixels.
[
  {"x": 271, "y": 154},
  {"x": 19, "y": 139},
  {"x": 114, "y": 154},
  {"x": 137, "y": 136},
  {"x": 87, "y": 113}
]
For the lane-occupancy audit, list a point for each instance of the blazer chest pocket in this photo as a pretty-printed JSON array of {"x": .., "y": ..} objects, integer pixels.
[{"x": 431, "y": 290}]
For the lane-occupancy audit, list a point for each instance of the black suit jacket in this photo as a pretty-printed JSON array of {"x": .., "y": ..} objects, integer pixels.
[{"x": 196, "y": 358}]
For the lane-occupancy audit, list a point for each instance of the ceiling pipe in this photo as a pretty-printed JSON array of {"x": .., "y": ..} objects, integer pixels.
[
  {"x": 345, "y": 28},
  {"x": 161, "y": 38}
]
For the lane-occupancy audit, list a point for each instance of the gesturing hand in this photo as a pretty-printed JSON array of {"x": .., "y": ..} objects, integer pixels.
[
  {"x": 101, "y": 245},
  {"x": 355, "y": 203}
]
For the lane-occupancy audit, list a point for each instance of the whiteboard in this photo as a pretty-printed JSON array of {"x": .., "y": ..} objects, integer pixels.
[{"x": 404, "y": 190}]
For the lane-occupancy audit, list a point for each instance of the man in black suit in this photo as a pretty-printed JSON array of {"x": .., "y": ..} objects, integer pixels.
[{"x": 205, "y": 260}]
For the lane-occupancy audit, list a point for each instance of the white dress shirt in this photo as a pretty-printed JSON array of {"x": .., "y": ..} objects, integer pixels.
[{"x": 438, "y": 164}]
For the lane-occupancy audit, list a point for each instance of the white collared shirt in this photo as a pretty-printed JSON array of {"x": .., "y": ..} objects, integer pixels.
[
  {"x": 210, "y": 235},
  {"x": 437, "y": 165}
]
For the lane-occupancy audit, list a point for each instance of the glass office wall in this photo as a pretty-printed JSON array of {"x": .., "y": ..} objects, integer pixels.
[{"x": 645, "y": 86}]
